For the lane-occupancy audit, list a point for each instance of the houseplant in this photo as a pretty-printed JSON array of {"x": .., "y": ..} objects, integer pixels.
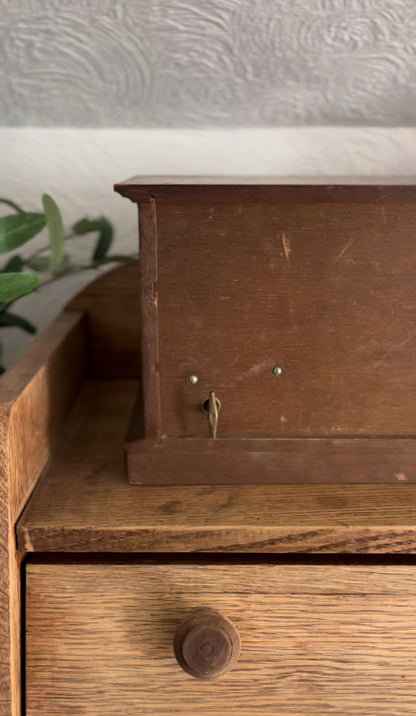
[{"x": 26, "y": 272}]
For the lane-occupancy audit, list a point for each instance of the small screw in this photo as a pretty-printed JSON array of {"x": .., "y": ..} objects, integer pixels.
[
  {"x": 277, "y": 370},
  {"x": 192, "y": 379}
]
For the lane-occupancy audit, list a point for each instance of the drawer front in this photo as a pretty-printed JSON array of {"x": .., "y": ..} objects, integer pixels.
[{"x": 315, "y": 639}]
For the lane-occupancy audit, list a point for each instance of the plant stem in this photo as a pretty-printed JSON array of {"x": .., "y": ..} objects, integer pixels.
[
  {"x": 13, "y": 204},
  {"x": 72, "y": 270},
  {"x": 45, "y": 248}
]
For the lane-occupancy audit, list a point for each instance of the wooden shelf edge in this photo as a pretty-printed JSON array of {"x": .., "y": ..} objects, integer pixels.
[
  {"x": 153, "y": 539},
  {"x": 83, "y": 502},
  {"x": 36, "y": 397}
]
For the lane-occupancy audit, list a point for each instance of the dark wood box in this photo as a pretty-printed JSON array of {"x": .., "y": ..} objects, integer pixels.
[{"x": 296, "y": 305}]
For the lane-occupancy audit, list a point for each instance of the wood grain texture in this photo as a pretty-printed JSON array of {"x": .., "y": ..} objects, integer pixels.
[
  {"x": 315, "y": 639},
  {"x": 111, "y": 305},
  {"x": 83, "y": 502},
  {"x": 36, "y": 395}
]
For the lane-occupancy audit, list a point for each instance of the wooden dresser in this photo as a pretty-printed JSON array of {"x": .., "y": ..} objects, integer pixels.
[{"x": 293, "y": 598}]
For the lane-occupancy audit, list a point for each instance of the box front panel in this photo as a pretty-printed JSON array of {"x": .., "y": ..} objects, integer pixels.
[{"x": 324, "y": 291}]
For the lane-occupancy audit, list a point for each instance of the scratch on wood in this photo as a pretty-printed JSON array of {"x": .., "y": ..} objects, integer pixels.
[
  {"x": 407, "y": 340},
  {"x": 255, "y": 369},
  {"x": 286, "y": 247},
  {"x": 393, "y": 349},
  {"x": 344, "y": 249},
  {"x": 401, "y": 476}
]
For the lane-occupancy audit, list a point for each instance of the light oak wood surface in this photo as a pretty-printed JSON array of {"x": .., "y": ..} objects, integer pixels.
[
  {"x": 36, "y": 396},
  {"x": 83, "y": 502},
  {"x": 316, "y": 640}
]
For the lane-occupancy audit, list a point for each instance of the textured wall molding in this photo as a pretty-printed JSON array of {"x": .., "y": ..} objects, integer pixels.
[{"x": 193, "y": 63}]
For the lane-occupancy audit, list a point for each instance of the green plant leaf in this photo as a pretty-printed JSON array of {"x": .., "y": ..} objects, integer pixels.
[
  {"x": 10, "y": 319},
  {"x": 16, "y": 229},
  {"x": 13, "y": 205},
  {"x": 13, "y": 285},
  {"x": 56, "y": 234},
  {"x": 105, "y": 238},
  {"x": 14, "y": 265}
]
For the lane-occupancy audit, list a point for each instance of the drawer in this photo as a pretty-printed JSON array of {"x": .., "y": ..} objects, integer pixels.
[{"x": 315, "y": 639}]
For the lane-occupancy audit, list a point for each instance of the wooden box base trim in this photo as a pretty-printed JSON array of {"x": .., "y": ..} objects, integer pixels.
[{"x": 227, "y": 461}]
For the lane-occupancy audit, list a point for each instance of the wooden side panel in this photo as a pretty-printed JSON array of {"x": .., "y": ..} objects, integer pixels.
[
  {"x": 112, "y": 308},
  {"x": 54, "y": 370},
  {"x": 324, "y": 290},
  {"x": 315, "y": 640},
  {"x": 36, "y": 395},
  {"x": 149, "y": 316}
]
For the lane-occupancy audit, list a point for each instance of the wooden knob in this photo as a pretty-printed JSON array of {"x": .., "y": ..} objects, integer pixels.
[{"x": 206, "y": 644}]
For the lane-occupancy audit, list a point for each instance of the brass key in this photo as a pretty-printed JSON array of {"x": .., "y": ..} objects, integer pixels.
[{"x": 212, "y": 411}]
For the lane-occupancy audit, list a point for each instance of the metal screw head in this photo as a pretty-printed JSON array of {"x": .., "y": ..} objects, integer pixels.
[
  {"x": 277, "y": 370},
  {"x": 192, "y": 379}
]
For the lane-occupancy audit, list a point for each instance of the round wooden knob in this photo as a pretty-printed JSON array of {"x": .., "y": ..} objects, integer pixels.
[{"x": 206, "y": 644}]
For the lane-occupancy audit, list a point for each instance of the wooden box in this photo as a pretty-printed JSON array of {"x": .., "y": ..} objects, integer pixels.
[{"x": 296, "y": 307}]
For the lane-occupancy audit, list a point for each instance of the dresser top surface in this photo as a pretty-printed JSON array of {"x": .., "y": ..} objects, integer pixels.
[{"x": 83, "y": 502}]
